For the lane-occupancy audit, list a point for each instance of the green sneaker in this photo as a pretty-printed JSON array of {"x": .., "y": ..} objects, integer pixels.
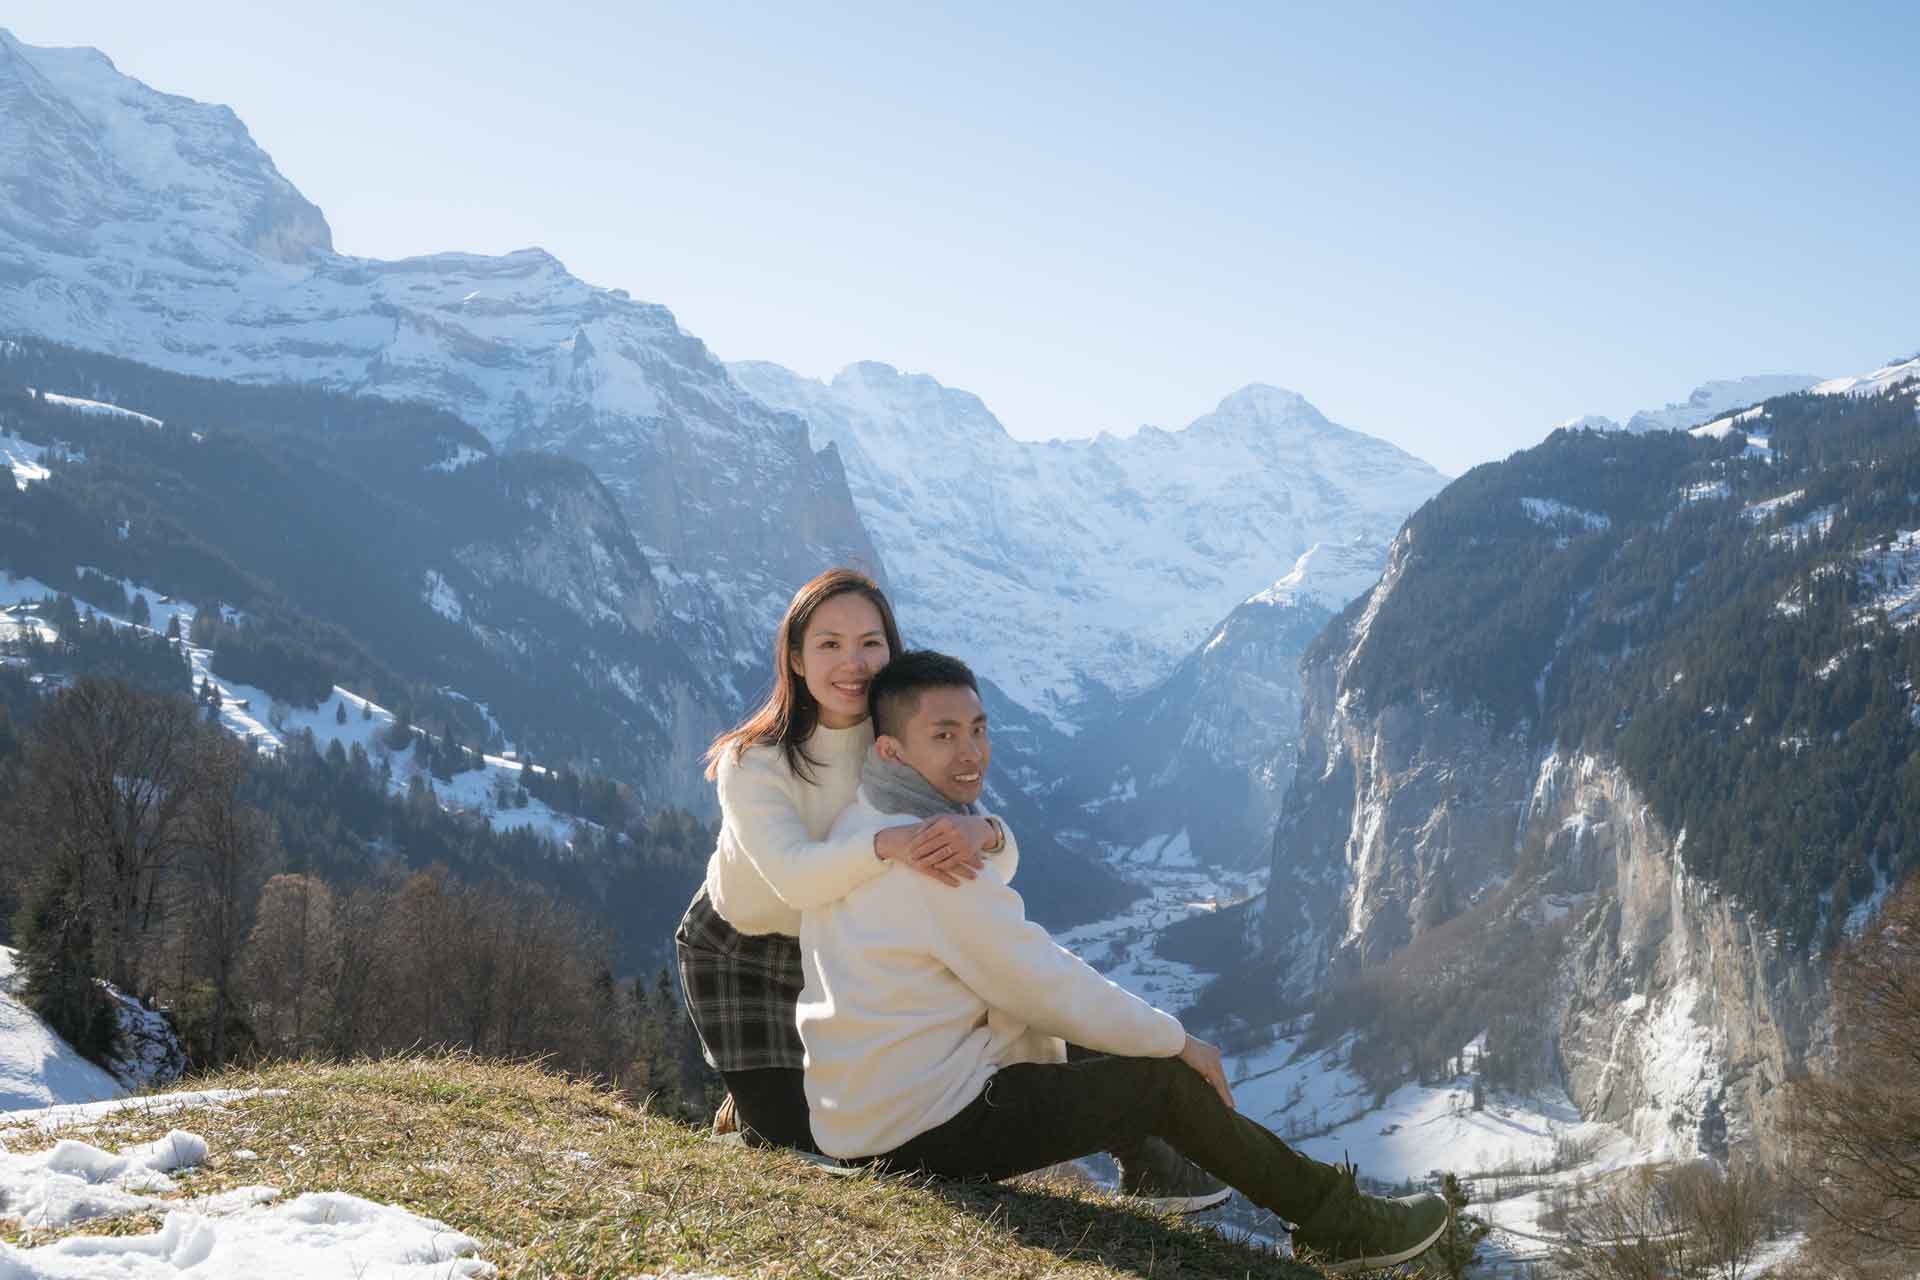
[
  {"x": 1167, "y": 1182},
  {"x": 1353, "y": 1231}
]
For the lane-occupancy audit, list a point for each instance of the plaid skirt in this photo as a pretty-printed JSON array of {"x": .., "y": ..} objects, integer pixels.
[{"x": 741, "y": 990}]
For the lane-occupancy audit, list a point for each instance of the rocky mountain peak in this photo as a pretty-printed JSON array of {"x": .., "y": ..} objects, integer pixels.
[
  {"x": 94, "y": 148},
  {"x": 1267, "y": 405}
]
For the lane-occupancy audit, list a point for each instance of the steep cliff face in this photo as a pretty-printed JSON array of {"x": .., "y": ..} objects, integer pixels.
[
  {"x": 1397, "y": 818},
  {"x": 1676, "y": 1014},
  {"x": 1681, "y": 1014}
]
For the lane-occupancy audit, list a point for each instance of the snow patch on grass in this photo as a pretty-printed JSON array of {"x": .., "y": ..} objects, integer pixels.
[{"x": 241, "y": 1232}]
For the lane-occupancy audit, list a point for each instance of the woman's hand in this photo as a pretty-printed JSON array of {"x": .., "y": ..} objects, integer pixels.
[
  {"x": 946, "y": 848},
  {"x": 1205, "y": 1059}
]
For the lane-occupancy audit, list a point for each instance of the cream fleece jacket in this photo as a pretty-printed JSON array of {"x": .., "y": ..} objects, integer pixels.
[
  {"x": 916, "y": 993},
  {"x": 774, "y": 856}
]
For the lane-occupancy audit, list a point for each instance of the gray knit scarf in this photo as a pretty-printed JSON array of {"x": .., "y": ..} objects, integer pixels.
[{"x": 893, "y": 787}]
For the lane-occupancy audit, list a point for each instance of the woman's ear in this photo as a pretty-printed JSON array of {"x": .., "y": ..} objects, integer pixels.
[{"x": 888, "y": 746}]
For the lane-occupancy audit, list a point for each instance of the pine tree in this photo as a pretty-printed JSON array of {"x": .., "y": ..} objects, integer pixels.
[
  {"x": 56, "y": 961},
  {"x": 1465, "y": 1231},
  {"x": 139, "y": 611},
  {"x": 340, "y": 712}
]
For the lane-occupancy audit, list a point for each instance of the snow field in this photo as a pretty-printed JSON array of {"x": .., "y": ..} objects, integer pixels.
[
  {"x": 1122, "y": 947},
  {"x": 24, "y": 459},
  {"x": 37, "y": 1067},
  {"x": 1548, "y": 511}
]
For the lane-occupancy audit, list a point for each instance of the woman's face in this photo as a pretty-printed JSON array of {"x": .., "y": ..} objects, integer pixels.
[{"x": 843, "y": 647}]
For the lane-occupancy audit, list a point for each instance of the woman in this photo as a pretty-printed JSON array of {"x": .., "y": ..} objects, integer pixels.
[{"x": 784, "y": 775}]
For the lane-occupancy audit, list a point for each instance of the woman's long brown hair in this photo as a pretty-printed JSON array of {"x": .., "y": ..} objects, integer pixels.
[{"x": 790, "y": 714}]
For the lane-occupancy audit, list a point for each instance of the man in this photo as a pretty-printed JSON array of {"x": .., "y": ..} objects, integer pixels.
[{"x": 933, "y": 1021}]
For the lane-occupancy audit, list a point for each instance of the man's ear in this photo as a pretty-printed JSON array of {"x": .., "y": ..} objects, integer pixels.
[{"x": 888, "y": 746}]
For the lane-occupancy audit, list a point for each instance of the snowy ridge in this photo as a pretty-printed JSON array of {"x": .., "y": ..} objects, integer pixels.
[
  {"x": 98, "y": 408},
  {"x": 1867, "y": 384},
  {"x": 1326, "y": 575},
  {"x": 1711, "y": 400},
  {"x": 980, "y": 528}
]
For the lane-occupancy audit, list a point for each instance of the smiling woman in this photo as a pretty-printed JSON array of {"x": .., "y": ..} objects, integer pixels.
[{"x": 783, "y": 776}]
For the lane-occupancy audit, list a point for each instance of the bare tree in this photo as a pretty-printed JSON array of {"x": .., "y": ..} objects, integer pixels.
[
  {"x": 1729, "y": 1214},
  {"x": 112, "y": 776},
  {"x": 424, "y": 962},
  {"x": 1857, "y": 1131},
  {"x": 1630, "y": 1229},
  {"x": 1687, "y": 1220},
  {"x": 357, "y": 1003},
  {"x": 288, "y": 962},
  {"x": 232, "y": 846}
]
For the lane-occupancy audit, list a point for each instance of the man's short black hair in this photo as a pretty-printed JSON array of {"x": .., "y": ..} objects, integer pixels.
[{"x": 894, "y": 694}]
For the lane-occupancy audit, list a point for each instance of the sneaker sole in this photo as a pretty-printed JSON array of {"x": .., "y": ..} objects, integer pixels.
[
  {"x": 1183, "y": 1204},
  {"x": 1373, "y": 1262}
]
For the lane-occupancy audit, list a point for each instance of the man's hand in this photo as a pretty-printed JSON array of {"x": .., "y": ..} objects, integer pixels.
[
  {"x": 1205, "y": 1059},
  {"x": 955, "y": 839},
  {"x": 941, "y": 848}
]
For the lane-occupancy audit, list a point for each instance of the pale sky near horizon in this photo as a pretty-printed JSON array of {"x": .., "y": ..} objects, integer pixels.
[{"x": 1447, "y": 226}]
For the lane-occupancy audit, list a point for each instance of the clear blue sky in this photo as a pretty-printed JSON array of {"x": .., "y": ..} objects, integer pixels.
[{"x": 1448, "y": 225}]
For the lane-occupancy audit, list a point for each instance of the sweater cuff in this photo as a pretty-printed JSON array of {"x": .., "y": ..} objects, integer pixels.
[{"x": 1170, "y": 1034}]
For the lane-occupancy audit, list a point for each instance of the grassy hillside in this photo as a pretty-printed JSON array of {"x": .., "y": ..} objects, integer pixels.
[{"x": 561, "y": 1179}]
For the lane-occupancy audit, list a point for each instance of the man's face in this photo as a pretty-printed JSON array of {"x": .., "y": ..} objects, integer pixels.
[{"x": 946, "y": 742}]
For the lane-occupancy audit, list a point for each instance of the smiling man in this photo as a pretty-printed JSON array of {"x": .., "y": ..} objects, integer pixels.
[{"x": 934, "y": 1019}]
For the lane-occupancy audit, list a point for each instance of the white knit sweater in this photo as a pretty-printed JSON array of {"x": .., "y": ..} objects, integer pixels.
[
  {"x": 916, "y": 993},
  {"x": 773, "y": 857}
]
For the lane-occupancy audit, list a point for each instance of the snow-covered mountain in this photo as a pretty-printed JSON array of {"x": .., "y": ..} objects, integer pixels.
[
  {"x": 151, "y": 226},
  {"x": 1071, "y": 571}
]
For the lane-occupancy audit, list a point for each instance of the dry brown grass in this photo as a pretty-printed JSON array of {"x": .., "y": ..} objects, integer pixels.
[{"x": 559, "y": 1178}]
